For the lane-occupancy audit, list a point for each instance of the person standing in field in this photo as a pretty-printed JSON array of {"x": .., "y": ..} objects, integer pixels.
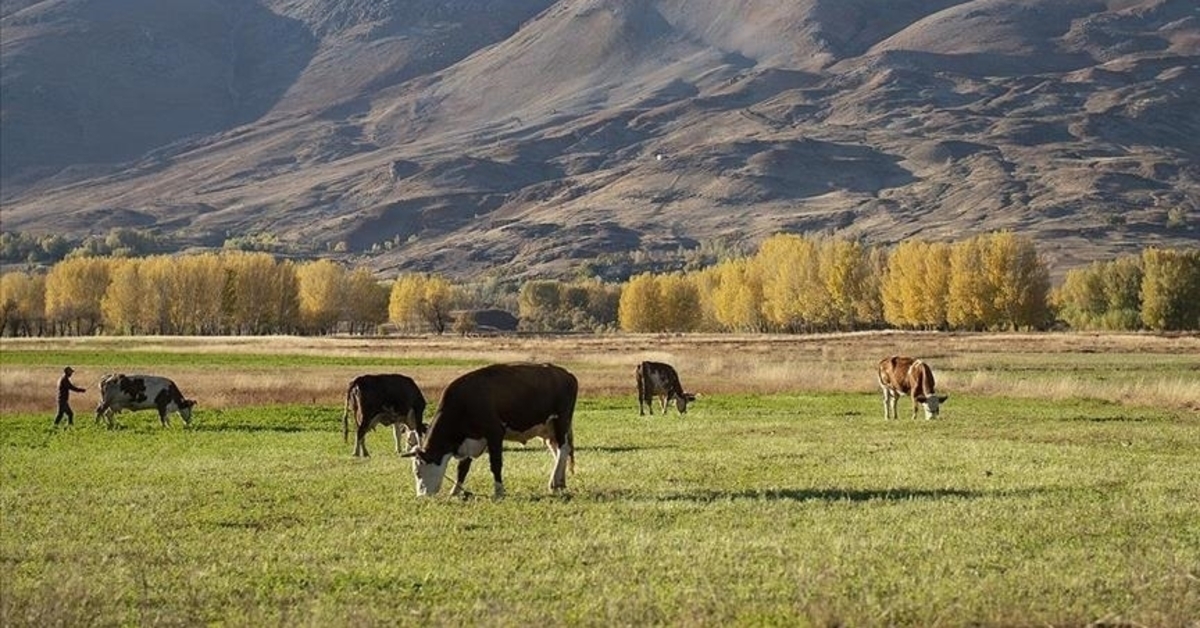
[{"x": 65, "y": 388}]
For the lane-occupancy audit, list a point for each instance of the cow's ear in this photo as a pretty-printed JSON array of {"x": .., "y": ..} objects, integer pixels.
[
  {"x": 921, "y": 398},
  {"x": 943, "y": 398}
]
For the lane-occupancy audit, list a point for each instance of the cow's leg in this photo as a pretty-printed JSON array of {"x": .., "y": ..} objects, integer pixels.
[
  {"x": 360, "y": 440},
  {"x": 916, "y": 406},
  {"x": 888, "y": 407},
  {"x": 561, "y": 453},
  {"x": 398, "y": 430},
  {"x": 495, "y": 449},
  {"x": 642, "y": 398},
  {"x": 460, "y": 478},
  {"x": 100, "y": 410}
]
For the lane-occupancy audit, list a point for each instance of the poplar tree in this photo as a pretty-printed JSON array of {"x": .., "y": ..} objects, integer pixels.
[
  {"x": 1171, "y": 289},
  {"x": 366, "y": 304},
  {"x": 322, "y": 295},
  {"x": 74, "y": 289},
  {"x": 640, "y": 307},
  {"x": 22, "y": 303}
]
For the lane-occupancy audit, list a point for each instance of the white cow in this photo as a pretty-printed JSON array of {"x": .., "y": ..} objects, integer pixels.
[{"x": 141, "y": 392}]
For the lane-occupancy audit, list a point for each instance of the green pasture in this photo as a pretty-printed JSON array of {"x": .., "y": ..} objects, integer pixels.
[{"x": 797, "y": 510}]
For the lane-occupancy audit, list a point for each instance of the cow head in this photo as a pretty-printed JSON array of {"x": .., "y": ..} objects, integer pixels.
[
  {"x": 428, "y": 471},
  {"x": 185, "y": 410},
  {"x": 681, "y": 402},
  {"x": 931, "y": 404}
]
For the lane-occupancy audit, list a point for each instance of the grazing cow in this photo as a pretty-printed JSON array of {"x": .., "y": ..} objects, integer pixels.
[
  {"x": 387, "y": 399},
  {"x": 483, "y": 408},
  {"x": 656, "y": 378},
  {"x": 141, "y": 392},
  {"x": 899, "y": 376}
]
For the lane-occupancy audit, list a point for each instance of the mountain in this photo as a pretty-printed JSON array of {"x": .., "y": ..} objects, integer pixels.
[{"x": 531, "y": 136}]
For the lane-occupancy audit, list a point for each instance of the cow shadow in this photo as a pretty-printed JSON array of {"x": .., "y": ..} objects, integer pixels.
[
  {"x": 251, "y": 427},
  {"x": 831, "y": 495}
]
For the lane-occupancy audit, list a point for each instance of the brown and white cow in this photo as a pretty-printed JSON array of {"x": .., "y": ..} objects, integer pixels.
[
  {"x": 483, "y": 408},
  {"x": 656, "y": 378},
  {"x": 141, "y": 392},
  {"x": 899, "y": 376},
  {"x": 384, "y": 399}
]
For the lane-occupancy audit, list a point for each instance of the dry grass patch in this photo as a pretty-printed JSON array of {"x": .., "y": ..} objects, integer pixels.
[{"x": 1134, "y": 369}]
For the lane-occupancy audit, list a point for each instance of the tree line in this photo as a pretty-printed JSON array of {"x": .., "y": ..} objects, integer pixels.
[{"x": 792, "y": 283}]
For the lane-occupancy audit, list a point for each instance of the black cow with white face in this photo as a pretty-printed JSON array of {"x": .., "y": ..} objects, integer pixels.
[
  {"x": 482, "y": 409},
  {"x": 384, "y": 399}
]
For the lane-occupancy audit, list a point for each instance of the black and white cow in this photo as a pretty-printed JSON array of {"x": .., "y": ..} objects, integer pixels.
[
  {"x": 900, "y": 376},
  {"x": 656, "y": 378},
  {"x": 141, "y": 392},
  {"x": 386, "y": 399},
  {"x": 483, "y": 408}
]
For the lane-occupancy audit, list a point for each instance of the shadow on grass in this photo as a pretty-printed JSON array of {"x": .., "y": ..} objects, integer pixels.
[
  {"x": 263, "y": 427},
  {"x": 900, "y": 494}
]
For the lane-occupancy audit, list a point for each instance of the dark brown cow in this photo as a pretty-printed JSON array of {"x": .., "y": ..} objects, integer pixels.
[
  {"x": 141, "y": 392},
  {"x": 899, "y": 376},
  {"x": 386, "y": 399},
  {"x": 656, "y": 378},
  {"x": 483, "y": 408}
]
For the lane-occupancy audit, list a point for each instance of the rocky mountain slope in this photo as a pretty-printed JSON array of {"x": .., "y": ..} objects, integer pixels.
[{"x": 465, "y": 136}]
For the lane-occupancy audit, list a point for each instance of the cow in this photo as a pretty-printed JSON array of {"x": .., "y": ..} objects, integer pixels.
[
  {"x": 483, "y": 408},
  {"x": 656, "y": 378},
  {"x": 899, "y": 376},
  {"x": 141, "y": 392},
  {"x": 385, "y": 399}
]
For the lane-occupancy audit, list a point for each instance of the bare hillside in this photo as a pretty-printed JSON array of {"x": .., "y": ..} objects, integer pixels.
[{"x": 465, "y": 136}]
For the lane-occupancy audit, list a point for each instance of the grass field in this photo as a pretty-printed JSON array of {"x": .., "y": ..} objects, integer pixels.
[{"x": 1035, "y": 500}]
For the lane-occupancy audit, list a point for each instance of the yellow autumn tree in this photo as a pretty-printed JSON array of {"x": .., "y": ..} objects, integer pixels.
[
  {"x": 793, "y": 294},
  {"x": 1017, "y": 280},
  {"x": 22, "y": 303},
  {"x": 74, "y": 289},
  {"x": 679, "y": 303},
  {"x": 123, "y": 300},
  {"x": 261, "y": 295},
  {"x": 366, "y": 301},
  {"x": 422, "y": 300},
  {"x": 322, "y": 292},
  {"x": 1171, "y": 289},
  {"x": 640, "y": 307},
  {"x": 738, "y": 296},
  {"x": 197, "y": 283},
  {"x": 970, "y": 304},
  {"x": 916, "y": 285}
]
